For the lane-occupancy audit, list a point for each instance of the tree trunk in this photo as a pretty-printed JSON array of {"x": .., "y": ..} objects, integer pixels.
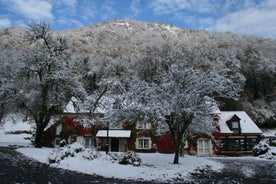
[
  {"x": 177, "y": 138},
  {"x": 1, "y": 116},
  {"x": 38, "y": 137},
  {"x": 176, "y": 156},
  {"x": 41, "y": 124},
  {"x": 176, "y": 142}
]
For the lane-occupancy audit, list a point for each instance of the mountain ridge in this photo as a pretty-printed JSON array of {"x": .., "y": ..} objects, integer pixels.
[{"x": 126, "y": 40}]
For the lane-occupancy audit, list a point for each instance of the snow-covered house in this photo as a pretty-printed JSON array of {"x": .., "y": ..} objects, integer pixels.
[
  {"x": 236, "y": 134},
  {"x": 138, "y": 137},
  {"x": 121, "y": 137}
]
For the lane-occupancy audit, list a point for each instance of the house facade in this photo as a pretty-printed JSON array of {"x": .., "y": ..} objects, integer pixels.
[
  {"x": 236, "y": 134},
  {"x": 68, "y": 131},
  {"x": 120, "y": 138},
  {"x": 136, "y": 136}
]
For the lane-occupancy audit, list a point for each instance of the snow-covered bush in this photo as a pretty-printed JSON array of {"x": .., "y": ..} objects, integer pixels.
[
  {"x": 62, "y": 143},
  {"x": 112, "y": 157},
  {"x": 203, "y": 172},
  {"x": 90, "y": 154},
  {"x": 70, "y": 151},
  {"x": 267, "y": 155},
  {"x": 130, "y": 157},
  {"x": 260, "y": 148}
]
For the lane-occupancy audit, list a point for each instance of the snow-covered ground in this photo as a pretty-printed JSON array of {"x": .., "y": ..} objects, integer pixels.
[
  {"x": 155, "y": 166},
  {"x": 13, "y": 124}
]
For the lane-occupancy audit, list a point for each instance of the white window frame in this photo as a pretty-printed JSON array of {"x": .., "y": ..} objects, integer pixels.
[
  {"x": 143, "y": 125},
  {"x": 90, "y": 142},
  {"x": 204, "y": 147},
  {"x": 235, "y": 125},
  {"x": 141, "y": 143}
]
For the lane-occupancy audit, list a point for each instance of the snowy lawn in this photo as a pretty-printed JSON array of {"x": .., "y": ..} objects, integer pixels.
[
  {"x": 155, "y": 166},
  {"x": 9, "y": 127}
]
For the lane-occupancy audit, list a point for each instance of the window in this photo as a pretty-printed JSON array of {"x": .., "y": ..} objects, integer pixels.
[
  {"x": 203, "y": 147},
  {"x": 73, "y": 139},
  {"x": 143, "y": 125},
  {"x": 236, "y": 145},
  {"x": 143, "y": 143},
  {"x": 57, "y": 142},
  {"x": 235, "y": 127},
  {"x": 250, "y": 143},
  {"x": 235, "y": 124},
  {"x": 88, "y": 142}
]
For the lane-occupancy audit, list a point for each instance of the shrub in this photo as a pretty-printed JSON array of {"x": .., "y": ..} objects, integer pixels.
[
  {"x": 90, "y": 154},
  {"x": 70, "y": 151},
  {"x": 131, "y": 158},
  {"x": 260, "y": 148}
]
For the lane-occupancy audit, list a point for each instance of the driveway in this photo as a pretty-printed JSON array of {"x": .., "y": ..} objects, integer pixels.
[
  {"x": 16, "y": 168},
  {"x": 241, "y": 170}
]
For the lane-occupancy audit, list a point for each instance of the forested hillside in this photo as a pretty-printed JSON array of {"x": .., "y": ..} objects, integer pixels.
[{"x": 111, "y": 52}]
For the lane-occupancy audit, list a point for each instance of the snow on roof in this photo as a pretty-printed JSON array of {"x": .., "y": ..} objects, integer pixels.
[
  {"x": 75, "y": 106},
  {"x": 246, "y": 123},
  {"x": 114, "y": 133},
  {"x": 71, "y": 107}
]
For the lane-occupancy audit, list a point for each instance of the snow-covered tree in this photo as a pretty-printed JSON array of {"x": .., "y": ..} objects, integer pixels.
[
  {"x": 181, "y": 100},
  {"x": 44, "y": 82},
  {"x": 8, "y": 68},
  {"x": 104, "y": 78}
]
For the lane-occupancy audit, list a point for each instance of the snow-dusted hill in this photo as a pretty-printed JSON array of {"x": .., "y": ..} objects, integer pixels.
[
  {"x": 126, "y": 41},
  {"x": 132, "y": 37}
]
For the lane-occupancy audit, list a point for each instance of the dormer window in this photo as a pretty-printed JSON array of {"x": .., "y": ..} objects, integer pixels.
[
  {"x": 234, "y": 124},
  {"x": 235, "y": 127}
]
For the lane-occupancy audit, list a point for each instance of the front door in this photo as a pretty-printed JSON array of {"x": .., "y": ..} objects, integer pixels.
[
  {"x": 204, "y": 147},
  {"x": 114, "y": 144}
]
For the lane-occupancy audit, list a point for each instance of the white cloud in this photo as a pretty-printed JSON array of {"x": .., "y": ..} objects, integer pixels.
[
  {"x": 160, "y": 7},
  {"x": 108, "y": 10},
  {"x": 70, "y": 3},
  {"x": 5, "y": 23},
  {"x": 32, "y": 9},
  {"x": 169, "y": 7},
  {"x": 88, "y": 9},
  {"x": 70, "y": 22},
  {"x": 255, "y": 20},
  {"x": 248, "y": 17},
  {"x": 197, "y": 14},
  {"x": 134, "y": 7}
]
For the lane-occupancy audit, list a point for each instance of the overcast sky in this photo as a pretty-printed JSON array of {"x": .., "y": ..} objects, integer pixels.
[{"x": 250, "y": 17}]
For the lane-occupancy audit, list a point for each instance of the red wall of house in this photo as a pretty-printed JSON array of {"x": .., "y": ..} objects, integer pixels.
[
  {"x": 71, "y": 124},
  {"x": 165, "y": 144}
]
